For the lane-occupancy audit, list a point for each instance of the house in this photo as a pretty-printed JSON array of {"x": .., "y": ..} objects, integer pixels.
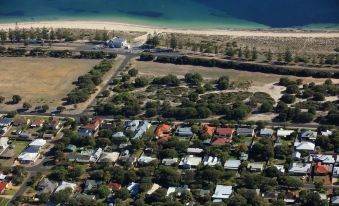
[
  {"x": 70, "y": 148},
  {"x": 190, "y": 161},
  {"x": 142, "y": 129},
  {"x": 247, "y": 132},
  {"x": 48, "y": 135},
  {"x": 3, "y": 177},
  {"x": 211, "y": 161},
  {"x": 20, "y": 121},
  {"x": 270, "y": 196},
  {"x": 265, "y": 132},
  {"x": 46, "y": 186},
  {"x": 154, "y": 188},
  {"x": 25, "y": 135},
  {"x": 3, "y": 144},
  {"x": 320, "y": 169},
  {"x": 37, "y": 122},
  {"x": 109, "y": 157},
  {"x": 83, "y": 132},
  {"x": 38, "y": 143},
  {"x": 222, "y": 192},
  {"x": 163, "y": 131},
  {"x": 64, "y": 185},
  {"x": 325, "y": 159},
  {"x": 177, "y": 190},
  {"x": 3, "y": 130},
  {"x": 335, "y": 172},
  {"x": 185, "y": 132},
  {"x": 119, "y": 135},
  {"x": 144, "y": 160},
  {"x": 305, "y": 146},
  {"x": 114, "y": 186},
  {"x": 243, "y": 156},
  {"x": 3, "y": 186},
  {"x": 232, "y": 164},
  {"x": 170, "y": 162},
  {"x": 5, "y": 122},
  {"x": 86, "y": 156},
  {"x": 284, "y": 133},
  {"x": 326, "y": 133},
  {"x": 224, "y": 132},
  {"x": 300, "y": 168},
  {"x": 335, "y": 200},
  {"x": 208, "y": 130},
  {"x": 92, "y": 185},
  {"x": 29, "y": 155},
  {"x": 309, "y": 135},
  {"x": 255, "y": 167},
  {"x": 290, "y": 197},
  {"x": 221, "y": 141},
  {"x": 94, "y": 125},
  {"x": 133, "y": 188},
  {"x": 117, "y": 42},
  {"x": 194, "y": 151},
  {"x": 84, "y": 196}
]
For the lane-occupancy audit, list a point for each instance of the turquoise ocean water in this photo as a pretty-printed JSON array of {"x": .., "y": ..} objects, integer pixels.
[{"x": 315, "y": 14}]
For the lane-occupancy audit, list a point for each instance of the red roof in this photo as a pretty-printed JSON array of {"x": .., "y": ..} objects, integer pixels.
[
  {"x": 221, "y": 141},
  {"x": 114, "y": 186},
  {"x": 225, "y": 131},
  {"x": 3, "y": 186},
  {"x": 159, "y": 132},
  {"x": 38, "y": 122},
  {"x": 321, "y": 169},
  {"x": 209, "y": 130},
  {"x": 94, "y": 125}
]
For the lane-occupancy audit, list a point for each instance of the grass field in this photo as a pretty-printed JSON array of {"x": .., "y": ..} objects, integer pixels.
[
  {"x": 19, "y": 147},
  {"x": 4, "y": 201},
  {"x": 40, "y": 80}
]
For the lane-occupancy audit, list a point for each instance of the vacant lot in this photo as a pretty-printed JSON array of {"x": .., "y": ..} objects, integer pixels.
[{"x": 40, "y": 80}]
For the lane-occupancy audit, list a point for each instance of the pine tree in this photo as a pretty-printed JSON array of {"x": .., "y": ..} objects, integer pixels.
[
  {"x": 269, "y": 55},
  {"x": 247, "y": 52},
  {"x": 240, "y": 52},
  {"x": 254, "y": 54},
  {"x": 288, "y": 56},
  {"x": 173, "y": 42}
]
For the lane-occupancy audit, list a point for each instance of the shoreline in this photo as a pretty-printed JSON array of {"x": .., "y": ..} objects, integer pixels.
[{"x": 119, "y": 26}]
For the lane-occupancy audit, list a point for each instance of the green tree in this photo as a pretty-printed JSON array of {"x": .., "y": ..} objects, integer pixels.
[
  {"x": 269, "y": 55},
  {"x": 223, "y": 83},
  {"x": 16, "y": 99},
  {"x": 122, "y": 194},
  {"x": 266, "y": 107},
  {"x": 167, "y": 176},
  {"x": 288, "y": 56},
  {"x": 103, "y": 191},
  {"x": 173, "y": 42},
  {"x": 2, "y": 99},
  {"x": 26, "y": 106},
  {"x": 254, "y": 54}
]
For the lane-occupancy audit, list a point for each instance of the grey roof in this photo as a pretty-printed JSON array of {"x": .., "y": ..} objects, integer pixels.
[
  {"x": 91, "y": 184},
  {"x": 241, "y": 130},
  {"x": 184, "y": 131},
  {"x": 266, "y": 131},
  {"x": 119, "y": 135},
  {"x": 232, "y": 164},
  {"x": 5, "y": 121},
  {"x": 46, "y": 186}
]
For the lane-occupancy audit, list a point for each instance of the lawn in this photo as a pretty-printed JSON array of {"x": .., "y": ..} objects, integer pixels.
[
  {"x": 40, "y": 80},
  {"x": 19, "y": 147},
  {"x": 4, "y": 201}
]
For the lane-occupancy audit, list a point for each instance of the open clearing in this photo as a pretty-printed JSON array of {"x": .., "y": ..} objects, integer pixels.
[{"x": 40, "y": 80}]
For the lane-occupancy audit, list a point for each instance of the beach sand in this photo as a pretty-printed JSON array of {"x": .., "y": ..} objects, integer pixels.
[{"x": 108, "y": 25}]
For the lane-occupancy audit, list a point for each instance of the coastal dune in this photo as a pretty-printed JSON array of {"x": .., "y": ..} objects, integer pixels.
[{"x": 109, "y": 25}]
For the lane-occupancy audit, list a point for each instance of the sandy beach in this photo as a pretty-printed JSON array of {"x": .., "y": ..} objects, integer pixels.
[{"x": 108, "y": 25}]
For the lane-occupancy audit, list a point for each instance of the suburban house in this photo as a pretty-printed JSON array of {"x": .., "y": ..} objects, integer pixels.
[
  {"x": 144, "y": 160},
  {"x": 117, "y": 42},
  {"x": 141, "y": 130},
  {"x": 296, "y": 155},
  {"x": 232, "y": 164},
  {"x": 211, "y": 161},
  {"x": 270, "y": 196},
  {"x": 5, "y": 122},
  {"x": 280, "y": 168},
  {"x": 3, "y": 144},
  {"x": 86, "y": 156},
  {"x": 306, "y": 146},
  {"x": 64, "y": 185},
  {"x": 46, "y": 186},
  {"x": 335, "y": 200},
  {"x": 84, "y": 132},
  {"x": 92, "y": 185},
  {"x": 220, "y": 141},
  {"x": 290, "y": 197},
  {"x": 132, "y": 125},
  {"x": 38, "y": 143},
  {"x": 255, "y": 167},
  {"x": 170, "y": 162},
  {"x": 326, "y": 133},
  {"x": 20, "y": 121},
  {"x": 309, "y": 135},
  {"x": 177, "y": 190},
  {"x": 335, "y": 172},
  {"x": 109, "y": 157},
  {"x": 70, "y": 148},
  {"x": 208, "y": 130},
  {"x": 284, "y": 133},
  {"x": 185, "y": 132},
  {"x": 114, "y": 186},
  {"x": 190, "y": 161},
  {"x": 222, "y": 192},
  {"x": 55, "y": 124},
  {"x": 194, "y": 151},
  {"x": 3, "y": 186},
  {"x": 94, "y": 125},
  {"x": 300, "y": 168},
  {"x": 247, "y": 132},
  {"x": 325, "y": 159},
  {"x": 133, "y": 188},
  {"x": 320, "y": 169},
  {"x": 29, "y": 155},
  {"x": 39, "y": 122},
  {"x": 265, "y": 132},
  {"x": 163, "y": 131},
  {"x": 224, "y": 132}
]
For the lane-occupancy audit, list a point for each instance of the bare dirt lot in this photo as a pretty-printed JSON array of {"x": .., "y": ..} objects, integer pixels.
[{"x": 40, "y": 80}]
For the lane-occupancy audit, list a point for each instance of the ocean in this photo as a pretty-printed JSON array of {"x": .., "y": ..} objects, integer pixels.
[{"x": 241, "y": 14}]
